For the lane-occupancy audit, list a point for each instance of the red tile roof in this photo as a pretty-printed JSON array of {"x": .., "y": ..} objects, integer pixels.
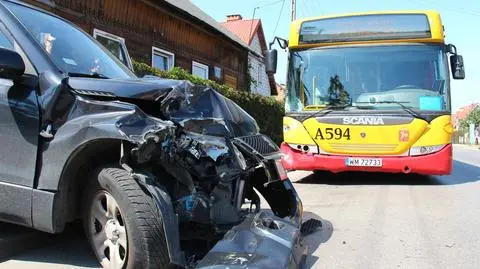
[
  {"x": 463, "y": 112},
  {"x": 195, "y": 12},
  {"x": 244, "y": 29}
]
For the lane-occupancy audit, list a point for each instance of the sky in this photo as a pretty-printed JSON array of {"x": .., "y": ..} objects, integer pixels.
[{"x": 461, "y": 19}]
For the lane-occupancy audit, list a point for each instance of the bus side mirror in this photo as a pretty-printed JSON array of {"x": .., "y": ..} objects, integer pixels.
[
  {"x": 456, "y": 64},
  {"x": 272, "y": 61}
]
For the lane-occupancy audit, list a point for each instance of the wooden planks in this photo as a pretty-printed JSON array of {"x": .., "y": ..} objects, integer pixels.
[{"x": 145, "y": 23}]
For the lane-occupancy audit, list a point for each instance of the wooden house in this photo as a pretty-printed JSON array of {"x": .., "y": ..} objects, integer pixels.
[
  {"x": 163, "y": 33},
  {"x": 251, "y": 32}
]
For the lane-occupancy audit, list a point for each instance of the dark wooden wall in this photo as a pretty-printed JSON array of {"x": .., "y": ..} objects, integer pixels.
[{"x": 144, "y": 24}]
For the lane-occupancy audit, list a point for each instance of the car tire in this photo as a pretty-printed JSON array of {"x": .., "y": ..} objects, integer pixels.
[{"x": 122, "y": 221}]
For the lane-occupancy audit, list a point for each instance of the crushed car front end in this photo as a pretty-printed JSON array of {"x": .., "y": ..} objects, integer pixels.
[
  {"x": 163, "y": 173},
  {"x": 206, "y": 163}
]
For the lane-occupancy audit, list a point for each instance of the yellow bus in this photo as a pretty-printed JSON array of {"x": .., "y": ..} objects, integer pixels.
[{"x": 369, "y": 92}]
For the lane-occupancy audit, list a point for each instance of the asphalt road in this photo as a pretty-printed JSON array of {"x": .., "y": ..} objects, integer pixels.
[{"x": 370, "y": 221}]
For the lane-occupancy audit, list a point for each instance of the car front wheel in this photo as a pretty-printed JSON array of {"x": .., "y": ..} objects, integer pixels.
[{"x": 122, "y": 223}]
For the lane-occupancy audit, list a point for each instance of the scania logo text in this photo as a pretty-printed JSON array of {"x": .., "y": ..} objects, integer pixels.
[{"x": 363, "y": 120}]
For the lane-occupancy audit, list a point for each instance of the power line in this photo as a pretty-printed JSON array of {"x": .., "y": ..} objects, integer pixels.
[
  {"x": 305, "y": 9},
  {"x": 451, "y": 8},
  {"x": 466, "y": 12},
  {"x": 269, "y": 4},
  {"x": 278, "y": 19},
  {"x": 316, "y": 7},
  {"x": 310, "y": 8},
  {"x": 261, "y": 2},
  {"x": 251, "y": 22},
  {"x": 259, "y": 7}
]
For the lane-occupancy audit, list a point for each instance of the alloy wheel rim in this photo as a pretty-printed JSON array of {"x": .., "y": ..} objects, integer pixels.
[{"x": 107, "y": 231}]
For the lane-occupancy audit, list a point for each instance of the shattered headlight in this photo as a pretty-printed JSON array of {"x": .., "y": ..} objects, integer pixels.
[
  {"x": 204, "y": 146},
  {"x": 240, "y": 158},
  {"x": 423, "y": 150}
]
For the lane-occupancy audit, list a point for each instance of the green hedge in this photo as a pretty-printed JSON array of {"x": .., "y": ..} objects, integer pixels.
[{"x": 267, "y": 111}]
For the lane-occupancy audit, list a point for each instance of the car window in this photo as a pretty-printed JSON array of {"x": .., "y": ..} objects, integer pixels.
[
  {"x": 7, "y": 41},
  {"x": 72, "y": 50},
  {"x": 4, "y": 41}
]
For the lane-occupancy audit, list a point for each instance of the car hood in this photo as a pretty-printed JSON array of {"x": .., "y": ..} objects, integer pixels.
[{"x": 198, "y": 109}]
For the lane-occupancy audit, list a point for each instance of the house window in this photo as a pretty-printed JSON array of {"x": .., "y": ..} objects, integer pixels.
[
  {"x": 115, "y": 44},
  {"x": 200, "y": 70},
  {"x": 218, "y": 72},
  {"x": 162, "y": 59}
]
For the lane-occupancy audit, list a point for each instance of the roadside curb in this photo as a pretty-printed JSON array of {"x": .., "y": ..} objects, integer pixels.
[{"x": 15, "y": 240}]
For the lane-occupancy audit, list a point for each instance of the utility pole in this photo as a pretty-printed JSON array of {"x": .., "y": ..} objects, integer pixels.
[{"x": 294, "y": 10}]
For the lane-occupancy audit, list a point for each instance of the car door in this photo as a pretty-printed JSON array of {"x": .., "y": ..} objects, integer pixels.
[{"x": 19, "y": 136}]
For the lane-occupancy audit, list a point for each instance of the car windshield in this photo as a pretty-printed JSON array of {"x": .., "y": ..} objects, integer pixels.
[
  {"x": 374, "y": 77},
  {"x": 72, "y": 50}
]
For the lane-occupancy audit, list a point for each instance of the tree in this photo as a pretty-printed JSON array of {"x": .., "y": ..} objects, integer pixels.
[
  {"x": 251, "y": 82},
  {"x": 473, "y": 117}
]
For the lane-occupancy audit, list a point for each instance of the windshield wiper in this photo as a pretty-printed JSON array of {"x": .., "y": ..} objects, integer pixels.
[
  {"x": 405, "y": 108},
  {"x": 84, "y": 75},
  {"x": 326, "y": 110}
]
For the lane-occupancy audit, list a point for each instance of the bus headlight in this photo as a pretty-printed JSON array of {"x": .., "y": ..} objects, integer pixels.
[{"x": 423, "y": 150}]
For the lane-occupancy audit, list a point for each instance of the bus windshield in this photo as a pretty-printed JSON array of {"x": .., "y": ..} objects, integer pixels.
[{"x": 374, "y": 77}]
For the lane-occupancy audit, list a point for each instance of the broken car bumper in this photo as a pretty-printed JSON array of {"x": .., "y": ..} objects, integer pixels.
[{"x": 260, "y": 241}]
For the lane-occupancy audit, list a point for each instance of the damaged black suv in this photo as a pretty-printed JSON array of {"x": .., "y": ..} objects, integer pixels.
[{"x": 162, "y": 173}]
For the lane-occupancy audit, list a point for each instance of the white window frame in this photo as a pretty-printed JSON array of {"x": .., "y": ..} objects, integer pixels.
[
  {"x": 200, "y": 65},
  {"x": 170, "y": 56},
  {"x": 221, "y": 72},
  {"x": 121, "y": 40}
]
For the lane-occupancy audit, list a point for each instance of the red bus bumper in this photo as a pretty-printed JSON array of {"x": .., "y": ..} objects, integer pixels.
[{"x": 438, "y": 163}]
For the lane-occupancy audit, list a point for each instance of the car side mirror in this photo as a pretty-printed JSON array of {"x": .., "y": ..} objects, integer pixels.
[
  {"x": 272, "y": 61},
  {"x": 457, "y": 66},
  {"x": 11, "y": 64}
]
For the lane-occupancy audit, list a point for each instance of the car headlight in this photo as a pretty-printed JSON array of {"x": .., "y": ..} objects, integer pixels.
[{"x": 423, "y": 150}]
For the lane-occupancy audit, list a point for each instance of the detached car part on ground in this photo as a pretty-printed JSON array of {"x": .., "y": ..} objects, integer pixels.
[{"x": 163, "y": 173}]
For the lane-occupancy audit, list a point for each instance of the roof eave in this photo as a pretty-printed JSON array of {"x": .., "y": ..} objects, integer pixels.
[{"x": 205, "y": 23}]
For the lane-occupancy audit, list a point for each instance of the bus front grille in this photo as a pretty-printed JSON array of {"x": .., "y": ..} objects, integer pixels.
[{"x": 363, "y": 147}]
